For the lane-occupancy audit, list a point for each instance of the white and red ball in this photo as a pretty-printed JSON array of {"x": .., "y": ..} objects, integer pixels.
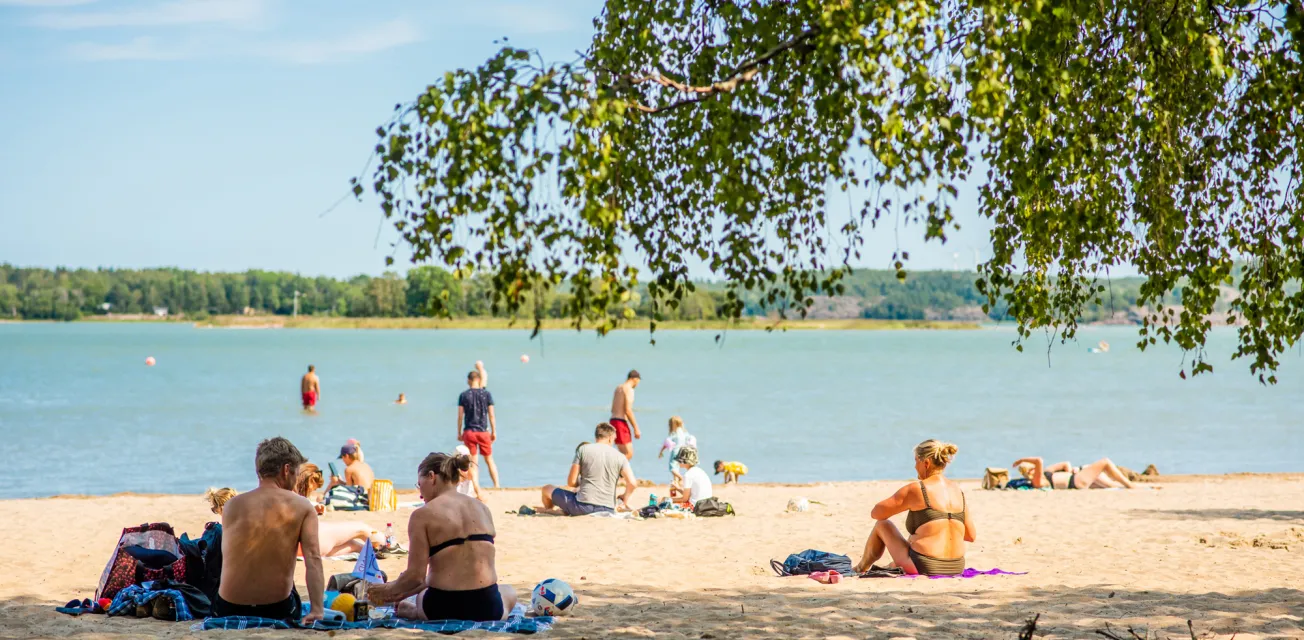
[{"x": 552, "y": 597}]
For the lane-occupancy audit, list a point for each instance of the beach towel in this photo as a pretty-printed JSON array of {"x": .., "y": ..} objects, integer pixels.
[
  {"x": 125, "y": 603},
  {"x": 894, "y": 572},
  {"x": 972, "y": 573},
  {"x": 515, "y": 623}
]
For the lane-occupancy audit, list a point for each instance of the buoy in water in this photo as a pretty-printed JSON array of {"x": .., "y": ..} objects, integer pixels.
[
  {"x": 525, "y": 359},
  {"x": 149, "y": 362}
]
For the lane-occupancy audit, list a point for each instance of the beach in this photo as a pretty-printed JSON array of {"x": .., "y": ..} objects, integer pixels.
[{"x": 1226, "y": 552}]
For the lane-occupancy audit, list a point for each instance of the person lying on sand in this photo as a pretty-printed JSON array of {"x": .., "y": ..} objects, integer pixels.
[
  {"x": 261, "y": 532},
  {"x": 217, "y": 498},
  {"x": 596, "y": 470},
  {"x": 451, "y": 564},
  {"x": 337, "y": 537},
  {"x": 939, "y": 522},
  {"x": 1101, "y": 474}
]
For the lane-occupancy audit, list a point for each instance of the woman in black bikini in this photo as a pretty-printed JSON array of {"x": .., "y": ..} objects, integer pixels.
[
  {"x": 1101, "y": 474},
  {"x": 939, "y": 522},
  {"x": 451, "y": 553}
]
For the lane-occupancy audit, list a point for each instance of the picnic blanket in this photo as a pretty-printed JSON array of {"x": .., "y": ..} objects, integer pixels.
[
  {"x": 880, "y": 572},
  {"x": 128, "y": 599},
  {"x": 974, "y": 573},
  {"x": 515, "y": 623}
]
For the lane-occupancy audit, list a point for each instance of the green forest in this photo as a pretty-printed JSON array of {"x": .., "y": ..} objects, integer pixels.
[{"x": 71, "y": 294}]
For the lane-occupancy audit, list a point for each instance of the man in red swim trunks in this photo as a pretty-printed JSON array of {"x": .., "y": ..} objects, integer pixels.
[
  {"x": 310, "y": 389},
  {"x": 622, "y": 415}
]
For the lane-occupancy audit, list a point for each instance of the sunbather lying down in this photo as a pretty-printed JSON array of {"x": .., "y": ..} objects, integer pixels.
[
  {"x": 337, "y": 537},
  {"x": 1101, "y": 474}
]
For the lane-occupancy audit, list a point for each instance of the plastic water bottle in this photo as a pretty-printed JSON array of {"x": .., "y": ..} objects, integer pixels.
[
  {"x": 652, "y": 500},
  {"x": 390, "y": 540}
]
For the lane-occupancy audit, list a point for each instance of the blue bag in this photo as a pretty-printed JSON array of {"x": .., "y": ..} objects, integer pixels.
[{"x": 810, "y": 561}]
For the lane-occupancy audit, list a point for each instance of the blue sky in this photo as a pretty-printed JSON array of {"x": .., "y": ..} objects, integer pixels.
[{"x": 210, "y": 134}]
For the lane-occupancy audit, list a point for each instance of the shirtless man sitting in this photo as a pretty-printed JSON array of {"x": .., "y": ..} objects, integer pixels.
[
  {"x": 356, "y": 472},
  {"x": 262, "y": 531}
]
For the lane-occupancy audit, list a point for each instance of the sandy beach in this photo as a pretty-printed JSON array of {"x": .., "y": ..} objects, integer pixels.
[{"x": 1226, "y": 552}]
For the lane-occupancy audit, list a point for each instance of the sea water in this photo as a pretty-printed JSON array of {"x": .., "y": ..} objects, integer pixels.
[{"x": 80, "y": 413}]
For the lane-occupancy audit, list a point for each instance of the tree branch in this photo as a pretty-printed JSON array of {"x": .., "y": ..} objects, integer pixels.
[{"x": 741, "y": 74}]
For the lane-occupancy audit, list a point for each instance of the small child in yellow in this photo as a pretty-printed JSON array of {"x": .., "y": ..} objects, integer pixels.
[{"x": 732, "y": 470}]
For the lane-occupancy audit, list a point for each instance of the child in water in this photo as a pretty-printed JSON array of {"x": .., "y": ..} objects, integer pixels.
[
  {"x": 678, "y": 439},
  {"x": 732, "y": 471}
]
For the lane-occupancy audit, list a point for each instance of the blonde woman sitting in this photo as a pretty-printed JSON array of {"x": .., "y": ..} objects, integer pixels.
[
  {"x": 217, "y": 498},
  {"x": 938, "y": 522}
]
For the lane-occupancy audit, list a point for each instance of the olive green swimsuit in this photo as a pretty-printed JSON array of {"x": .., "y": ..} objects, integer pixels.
[{"x": 928, "y": 565}]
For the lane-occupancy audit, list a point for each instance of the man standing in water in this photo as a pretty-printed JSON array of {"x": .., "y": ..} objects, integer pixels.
[
  {"x": 477, "y": 427},
  {"x": 310, "y": 389},
  {"x": 622, "y": 415},
  {"x": 262, "y": 531}
]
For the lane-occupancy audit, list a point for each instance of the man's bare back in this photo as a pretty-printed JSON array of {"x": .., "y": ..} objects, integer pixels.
[
  {"x": 261, "y": 534},
  {"x": 359, "y": 474},
  {"x": 310, "y": 383}
]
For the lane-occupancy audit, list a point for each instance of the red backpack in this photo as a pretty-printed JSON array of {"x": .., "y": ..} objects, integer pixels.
[{"x": 141, "y": 555}]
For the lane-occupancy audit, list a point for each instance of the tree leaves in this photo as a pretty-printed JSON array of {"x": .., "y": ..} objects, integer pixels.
[{"x": 1163, "y": 135}]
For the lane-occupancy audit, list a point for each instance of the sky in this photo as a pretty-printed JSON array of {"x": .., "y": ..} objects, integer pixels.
[{"x": 213, "y": 134}]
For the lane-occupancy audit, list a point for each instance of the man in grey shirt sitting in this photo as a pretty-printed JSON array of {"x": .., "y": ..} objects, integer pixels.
[{"x": 596, "y": 469}]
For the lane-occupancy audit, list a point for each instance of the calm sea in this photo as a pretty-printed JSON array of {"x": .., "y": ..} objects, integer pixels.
[{"x": 81, "y": 413}]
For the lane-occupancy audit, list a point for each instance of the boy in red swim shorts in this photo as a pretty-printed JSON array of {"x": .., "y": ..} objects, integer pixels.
[{"x": 477, "y": 427}]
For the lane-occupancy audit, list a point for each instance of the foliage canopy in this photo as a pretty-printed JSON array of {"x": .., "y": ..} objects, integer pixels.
[{"x": 1163, "y": 134}]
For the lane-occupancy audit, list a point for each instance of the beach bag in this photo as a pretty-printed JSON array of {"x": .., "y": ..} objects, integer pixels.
[
  {"x": 810, "y": 561},
  {"x": 995, "y": 478},
  {"x": 347, "y": 498},
  {"x": 712, "y": 508},
  {"x": 143, "y": 553}
]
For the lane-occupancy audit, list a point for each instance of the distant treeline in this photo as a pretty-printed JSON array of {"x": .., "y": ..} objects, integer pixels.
[{"x": 68, "y": 294}]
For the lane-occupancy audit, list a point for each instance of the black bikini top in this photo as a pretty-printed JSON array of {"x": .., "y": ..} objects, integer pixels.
[
  {"x": 475, "y": 537},
  {"x": 916, "y": 519}
]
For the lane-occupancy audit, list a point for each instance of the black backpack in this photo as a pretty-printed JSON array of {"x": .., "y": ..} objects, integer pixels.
[
  {"x": 712, "y": 508},
  {"x": 810, "y": 561},
  {"x": 204, "y": 559}
]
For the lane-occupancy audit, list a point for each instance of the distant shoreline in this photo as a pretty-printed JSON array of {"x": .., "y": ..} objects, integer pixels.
[{"x": 332, "y": 322}]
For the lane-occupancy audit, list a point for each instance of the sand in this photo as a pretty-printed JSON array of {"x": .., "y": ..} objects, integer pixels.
[{"x": 1225, "y": 552}]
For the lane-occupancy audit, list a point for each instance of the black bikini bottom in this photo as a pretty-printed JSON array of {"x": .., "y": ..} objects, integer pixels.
[{"x": 476, "y": 605}]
